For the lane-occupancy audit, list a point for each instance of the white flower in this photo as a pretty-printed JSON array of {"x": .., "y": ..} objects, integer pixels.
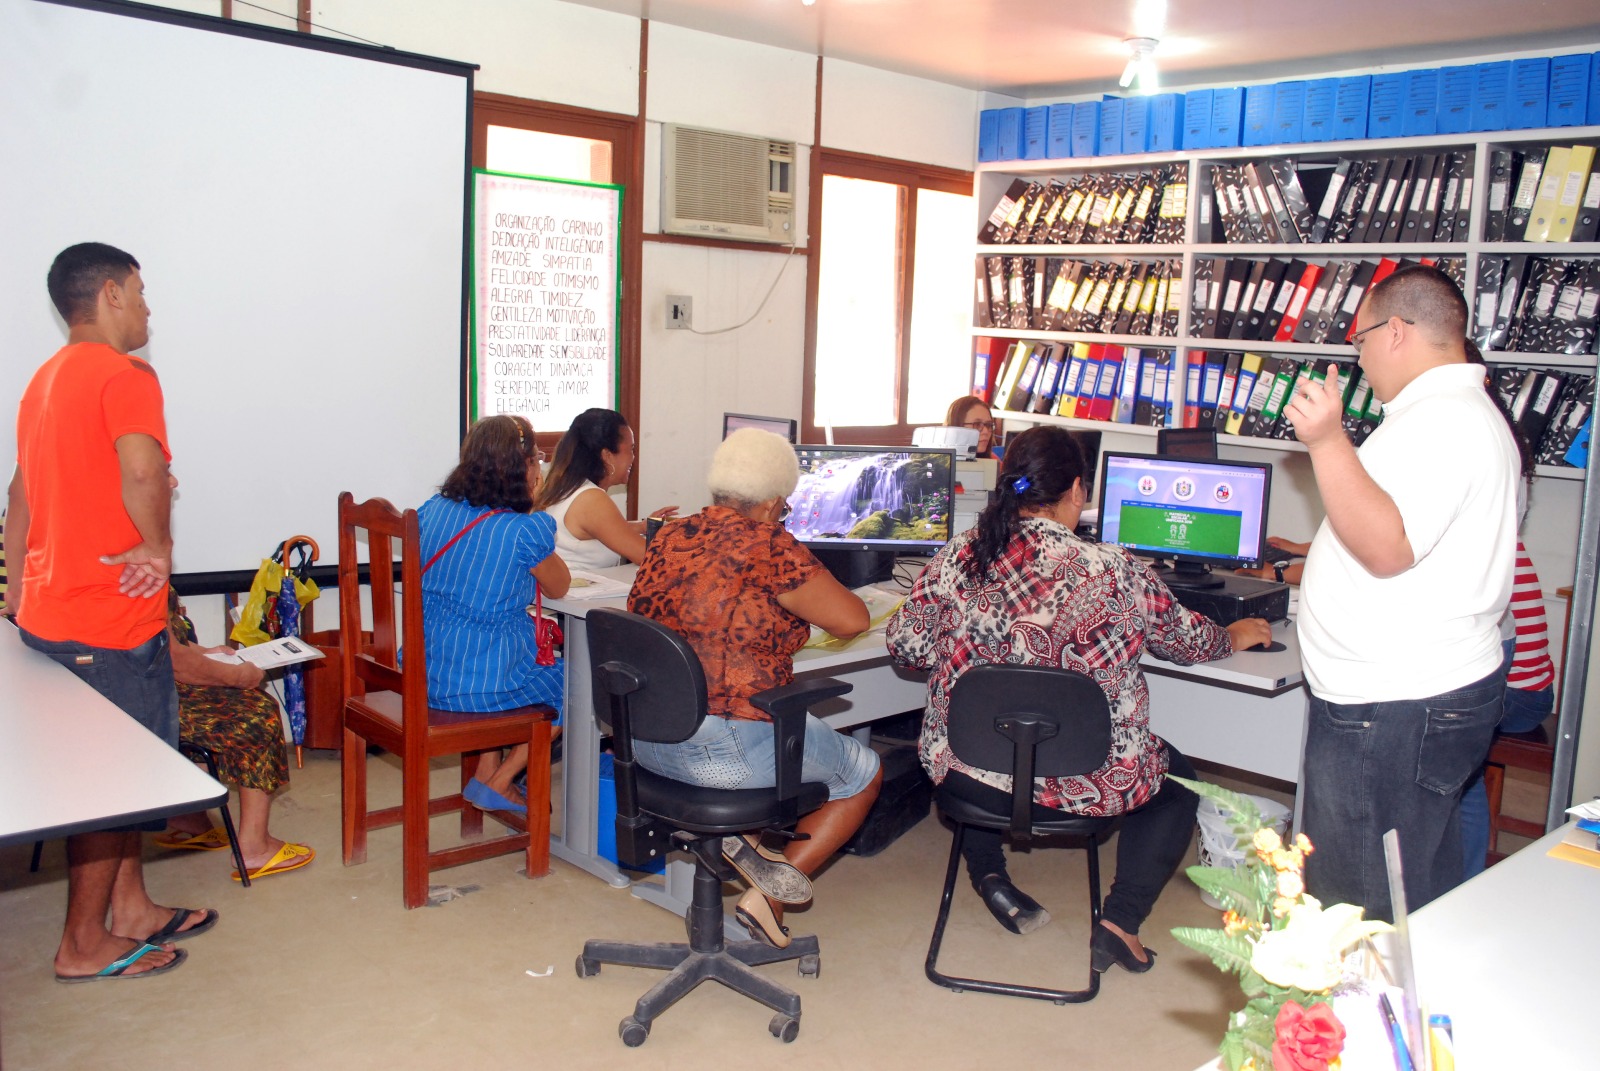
[{"x": 1307, "y": 953}]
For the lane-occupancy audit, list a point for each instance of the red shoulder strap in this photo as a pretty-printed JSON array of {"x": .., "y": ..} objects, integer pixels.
[{"x": 475, "y": 522}]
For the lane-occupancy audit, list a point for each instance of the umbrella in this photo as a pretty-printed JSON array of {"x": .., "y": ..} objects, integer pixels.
[{"x": 288, "y": 607}]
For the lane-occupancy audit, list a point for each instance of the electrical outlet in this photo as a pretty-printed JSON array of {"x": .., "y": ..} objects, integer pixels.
[{"x": 678, "y": 310}]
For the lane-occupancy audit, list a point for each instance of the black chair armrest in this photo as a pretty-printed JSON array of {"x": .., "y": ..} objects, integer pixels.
[{"x": 788, "y": 706}]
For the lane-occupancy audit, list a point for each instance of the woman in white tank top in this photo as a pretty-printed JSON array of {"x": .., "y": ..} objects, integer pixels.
[{"x": 594, "y": 455}]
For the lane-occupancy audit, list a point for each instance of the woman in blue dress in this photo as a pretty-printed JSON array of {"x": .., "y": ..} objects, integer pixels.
[{"x": 484, "y": 555}]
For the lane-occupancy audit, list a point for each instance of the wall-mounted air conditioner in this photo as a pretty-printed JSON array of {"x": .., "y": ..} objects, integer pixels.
[{"x": 720, "y": 185}]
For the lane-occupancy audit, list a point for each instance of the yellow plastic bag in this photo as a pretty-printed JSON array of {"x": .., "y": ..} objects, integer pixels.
[{"x": 258, "y": 611}]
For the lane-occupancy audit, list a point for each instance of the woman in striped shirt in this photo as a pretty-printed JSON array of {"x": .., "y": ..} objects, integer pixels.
[{"x": 485, "y": 556}]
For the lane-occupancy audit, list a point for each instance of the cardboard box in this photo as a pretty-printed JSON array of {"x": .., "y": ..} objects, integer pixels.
[
  {"x": 1257, "y": 116},
  {"x": 1569, "y": 91},
  {"x": 1387, "y": 106},
  {"x": 1197, "y": 119},
  {"x": 1491, "y": 94},
  {"x": 1420, "y": 112},
  {"x": 1455, "y": 99},
  {"x": 1317, "y": 121},
  {"x": 1350, "y": 107},
  {"x": 1529, "y": 100},
  {"x": 1288, "y": 113},
  {"x": 1227, "y": 117}
]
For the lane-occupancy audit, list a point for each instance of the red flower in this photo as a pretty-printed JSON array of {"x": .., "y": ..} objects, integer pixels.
[{"x": 1306, "y": 1040}]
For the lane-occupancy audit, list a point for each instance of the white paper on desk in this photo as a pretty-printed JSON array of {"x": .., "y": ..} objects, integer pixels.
[
  {"x": 881, "y": 605},
  {"x": 1589, "y": 810},
  {"x": 271, "y": 655},
  {"x": 595, "y": 586}
]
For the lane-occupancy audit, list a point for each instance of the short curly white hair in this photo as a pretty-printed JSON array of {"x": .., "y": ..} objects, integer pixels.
[{"x": 753, "y": 466}]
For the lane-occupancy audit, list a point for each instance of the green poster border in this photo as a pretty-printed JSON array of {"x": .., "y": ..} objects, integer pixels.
[{"x": 472, "y": 272}]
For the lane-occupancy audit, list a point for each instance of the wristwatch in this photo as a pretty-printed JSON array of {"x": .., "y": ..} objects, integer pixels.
[{"x": 1277, "y": 570}]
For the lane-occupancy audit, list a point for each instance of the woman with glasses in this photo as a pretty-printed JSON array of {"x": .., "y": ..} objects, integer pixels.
[
  {"x": 744, "y": 594},
  {"x": 595, "y": 455},
  {"x": 484, "y": 554},
  {"x": 969, "y": 411}
]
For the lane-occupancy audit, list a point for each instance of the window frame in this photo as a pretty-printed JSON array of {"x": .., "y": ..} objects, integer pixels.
[
  {"x": 625, "y": 133},
  {"x": 910, "y": 177}
]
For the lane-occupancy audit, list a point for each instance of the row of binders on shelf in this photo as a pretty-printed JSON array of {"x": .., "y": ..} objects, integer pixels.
[
  {"x": 1551, "y": 409},
  {"x": 1421, "y": 198},
  {"x": 1522, "y": 94},
  {"x": 1133, "y": 297},
  {"x": 1529, "y": 304},
  {"x": 1246, "y": 394},
  {"x": 1084, "y": 380},
  {"x": 1140, "y": 207},
  {"x": 1279, "y": 300},
  {"x": 1543, "y": 194}
]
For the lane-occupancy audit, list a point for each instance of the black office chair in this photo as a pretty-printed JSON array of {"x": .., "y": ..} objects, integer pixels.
[
  {"x": 1028, "y": 721},
  {"x": 648, "y": 685}
]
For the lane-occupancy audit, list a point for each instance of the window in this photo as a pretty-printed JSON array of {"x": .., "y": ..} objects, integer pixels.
[{"x": 891, "y": 299}]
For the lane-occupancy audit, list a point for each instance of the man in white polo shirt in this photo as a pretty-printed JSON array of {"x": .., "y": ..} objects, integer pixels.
[{"x": 1403, "y": 590}]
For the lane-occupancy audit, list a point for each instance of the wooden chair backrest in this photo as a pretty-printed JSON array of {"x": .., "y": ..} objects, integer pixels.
[{"x": 375, "y": 666}]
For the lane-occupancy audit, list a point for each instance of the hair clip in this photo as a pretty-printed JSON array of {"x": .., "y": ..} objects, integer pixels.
[{"x": 1021, "y": 483}]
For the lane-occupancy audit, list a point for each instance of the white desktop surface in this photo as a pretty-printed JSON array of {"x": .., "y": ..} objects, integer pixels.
[{"x": 72, "y": 762}]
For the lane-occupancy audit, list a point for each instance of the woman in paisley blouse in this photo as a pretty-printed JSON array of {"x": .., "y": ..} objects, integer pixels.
[
  {"x": 1021, "y": 588},
  {"x": 744, "y": 594}
]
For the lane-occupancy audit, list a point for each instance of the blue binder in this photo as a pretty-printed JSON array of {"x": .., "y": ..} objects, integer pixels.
[
  {"x": 1166, "y": 121},
  {"x": 1035, "y": 128},
  {"x": 1197, "y": 119},
  {"x": 1009, "y": 139},
  {"x": 1593, "y": 118},
  {"x": 1455, "y": 98},
  {"x": 1136, "y": 125},
  {"x": 1086, "y": 128},
  {"x": 1420, "y": 113},
  {"x": 1491, "y": 91},
  {"x": 1110, "y": 127},
  {"x": 1388, "y": 101},
  {"x": 1317, "y": 124},
  {"x": 1569, "y": 91},
  {"x": 1058, "y": 135},
  {"x": 989, "y": 132},
  {"x": 1227, "y": 117},
  {"x": 1257, "y": 116},
  {"x": 1350, "y": 106},
  {"x": 1288, "y": 113},
  {"x": 1530, "y": 93}
]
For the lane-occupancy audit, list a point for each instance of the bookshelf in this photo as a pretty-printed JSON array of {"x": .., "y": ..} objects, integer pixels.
[{"x": 1557, "y": 501}]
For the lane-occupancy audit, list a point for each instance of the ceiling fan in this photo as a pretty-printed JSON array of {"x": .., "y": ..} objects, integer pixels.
[{"x": 1149, "y": 22}]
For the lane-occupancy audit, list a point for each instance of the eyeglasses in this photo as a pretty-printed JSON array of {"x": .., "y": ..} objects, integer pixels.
[
  {"x": 784, "y": 511},
  {"x": 1355, "y": 339},
  {"x": 979, "y": 425}
]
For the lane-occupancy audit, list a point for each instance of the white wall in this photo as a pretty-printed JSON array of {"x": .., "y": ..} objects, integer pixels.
[{"x": 886, "y": 114}]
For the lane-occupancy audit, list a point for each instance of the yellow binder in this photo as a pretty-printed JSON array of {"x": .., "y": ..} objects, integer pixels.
[
  {"x": 1543, "y": 213},
  {"x": 1571, "y": 192}
]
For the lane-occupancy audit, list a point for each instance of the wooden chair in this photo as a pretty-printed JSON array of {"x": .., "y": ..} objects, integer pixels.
[{"x": 387, "y": 704}]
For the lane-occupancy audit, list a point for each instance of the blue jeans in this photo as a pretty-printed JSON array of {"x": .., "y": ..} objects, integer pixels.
[
  {"x": 1372, "y": 767},
  {"x": 1524, "y": 710},
  {"x": 138, "y": 681},
  {"x": 739, "y": 753}
]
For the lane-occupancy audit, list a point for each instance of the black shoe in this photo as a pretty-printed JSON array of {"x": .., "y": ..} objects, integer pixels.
[
  {"x": 1106, "y": 948},
  {"x": 1011, "y": 907}
]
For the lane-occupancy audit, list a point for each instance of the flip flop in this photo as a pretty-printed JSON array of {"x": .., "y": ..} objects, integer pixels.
[
  {"x": 172, "y": 932},
  {"x": 289, "y": 857},
  {"x": 117, "y": 968},
  {"x": 485, "y": 798},
  {"x": 212, "y": 840},
  {"x": 778, "y": 879}
]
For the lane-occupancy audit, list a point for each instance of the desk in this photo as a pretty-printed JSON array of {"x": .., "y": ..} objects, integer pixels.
[
  {"x": 881, "y": 690},
  {"x": 1247, "y": 711},
  {"x": 72, "y": 762},
  {"x": 1517, "y": 992}
]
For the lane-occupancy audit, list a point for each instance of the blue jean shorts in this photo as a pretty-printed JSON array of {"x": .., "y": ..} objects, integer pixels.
[
  {"x": 139, "y": 681},
  {"x": 736, "y": 753}
]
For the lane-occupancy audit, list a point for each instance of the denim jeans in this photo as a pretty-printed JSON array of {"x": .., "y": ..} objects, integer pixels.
[
  {"x": 1524, "y": 710},
  {"x": 740, "y": 753},
  {"x": 138, "y": 681},
  {"x": 1372, "y": 767}
]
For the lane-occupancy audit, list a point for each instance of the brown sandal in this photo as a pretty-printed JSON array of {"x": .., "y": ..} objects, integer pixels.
[{"x": 756, "y": 914}]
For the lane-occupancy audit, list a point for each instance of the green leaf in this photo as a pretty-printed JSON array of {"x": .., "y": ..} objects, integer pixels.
[
  {"x": 1228, "y": 952},
  {"x": 1240, "y": 813},
  {"x": 1240, "y": 890}
]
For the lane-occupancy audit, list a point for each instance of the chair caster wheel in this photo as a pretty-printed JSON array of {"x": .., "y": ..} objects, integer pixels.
[
  {"x": 784, "y": 1028},
  {"x": 588, "y": 968},
  {"x": 632, "y": 1032},
  {"x": 810, "y": 965}
]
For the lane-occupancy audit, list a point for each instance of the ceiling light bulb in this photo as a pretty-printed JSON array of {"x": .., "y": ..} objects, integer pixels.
[
  {"x": 1141, "y": 64},
  {"x": 808, "y": 3}
]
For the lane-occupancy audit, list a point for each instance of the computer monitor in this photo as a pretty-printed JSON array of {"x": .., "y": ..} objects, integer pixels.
[
  {"x": 1199, "y": 513},
  {"x": 858, "y": 507},
  {"x": 731, "y": 422}
]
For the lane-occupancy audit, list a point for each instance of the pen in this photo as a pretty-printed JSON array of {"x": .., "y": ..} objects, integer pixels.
[
  {"x": 1441, "y": 1040},
  {"x": 1402, "y": 1055}
]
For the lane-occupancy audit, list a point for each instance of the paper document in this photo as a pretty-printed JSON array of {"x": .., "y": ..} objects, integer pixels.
[
  {"x": 880, "y": 606},
  {"x": 270, "y": 655},
  {"x": 594, "y": 586}
]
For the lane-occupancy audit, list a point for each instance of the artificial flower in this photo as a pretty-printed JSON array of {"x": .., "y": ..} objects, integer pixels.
[
  {"x": 1302, "y": 844},
  {"x": 1290, "y": 883},
  {"x": 1308, "y": 951},
  {"x": 1267, "y": 841},
  {"x": 1285, "y": 859},
  {"x": 1233, "y": 922},
  {"x": 1306, "y": 1039}
]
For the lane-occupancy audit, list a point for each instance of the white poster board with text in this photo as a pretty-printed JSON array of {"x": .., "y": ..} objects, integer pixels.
[{"x": 546, "y": 276}]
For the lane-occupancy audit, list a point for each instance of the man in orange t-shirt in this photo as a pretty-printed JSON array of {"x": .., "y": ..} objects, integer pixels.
[{"x": 89, "y": 540}]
